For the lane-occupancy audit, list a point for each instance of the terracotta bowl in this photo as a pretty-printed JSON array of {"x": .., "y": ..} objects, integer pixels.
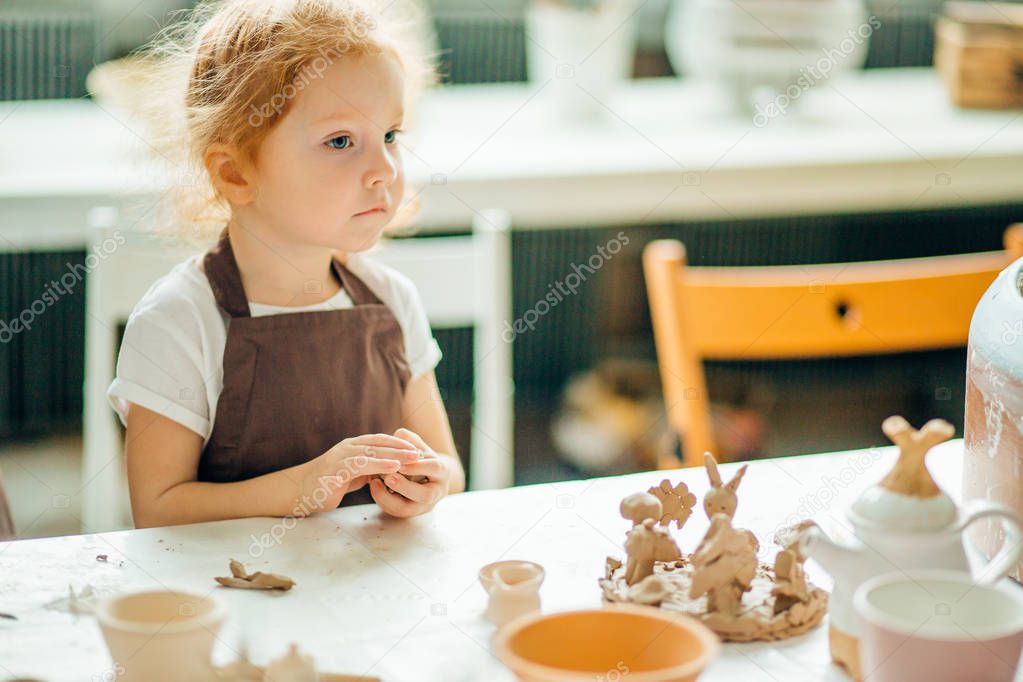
[{"x": 637, "y": 643}]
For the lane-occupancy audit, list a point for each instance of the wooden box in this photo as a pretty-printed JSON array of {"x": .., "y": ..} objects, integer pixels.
[{"x": 979, "y": 54}]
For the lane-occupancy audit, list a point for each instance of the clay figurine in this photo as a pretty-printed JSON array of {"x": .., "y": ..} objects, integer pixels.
[
  {"x": 676, "y": 503},
  {"x": 639, "y": 507},
  {"x": 724, "y": 566},
  {"x": 790, "y": 586},
  {"x": 291, "y": 667},
  {"x": 722, "y": 498},
  {"x": 722, "y": 583},
  {"x": 644, "y": 545},
  {"x": 254, "y": 581}
]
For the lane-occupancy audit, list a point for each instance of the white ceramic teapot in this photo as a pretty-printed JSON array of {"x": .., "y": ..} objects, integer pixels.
[{"x": 905, "y": 522}]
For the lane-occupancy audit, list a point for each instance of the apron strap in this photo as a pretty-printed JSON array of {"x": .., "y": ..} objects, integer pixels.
[
  {"x": 356, "y": 288},
  {"x": 225, "y": 280},
  {"x": 222, "y": 271}
]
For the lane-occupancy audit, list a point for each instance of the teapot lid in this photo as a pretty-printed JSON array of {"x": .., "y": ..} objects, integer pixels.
[{"x": 908, "y": 498}]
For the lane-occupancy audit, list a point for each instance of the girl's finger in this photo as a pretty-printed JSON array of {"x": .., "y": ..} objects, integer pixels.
[
  {"x": 417, "y": 492},
  {"x": 383, "y": 440},
  {"x": 368, "y": 466},
  {"x": 395, "y": 505},
  {"x": 431, "y": 467},
  {"x": 412, "y": 437},
  {"x": 387, "y": 453}
]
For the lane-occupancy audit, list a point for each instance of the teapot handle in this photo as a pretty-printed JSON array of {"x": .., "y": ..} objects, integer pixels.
[{"x": 1012, "y": 545}]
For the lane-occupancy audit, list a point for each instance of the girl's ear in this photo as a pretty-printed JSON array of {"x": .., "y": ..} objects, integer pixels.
[{"x": 229, "y": 173}]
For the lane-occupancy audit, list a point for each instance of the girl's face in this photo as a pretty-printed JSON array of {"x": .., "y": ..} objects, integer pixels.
[{"x": 334, "y": 157}]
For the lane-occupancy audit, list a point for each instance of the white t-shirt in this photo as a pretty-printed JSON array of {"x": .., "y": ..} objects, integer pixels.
[{"x": 172, "y": 355}]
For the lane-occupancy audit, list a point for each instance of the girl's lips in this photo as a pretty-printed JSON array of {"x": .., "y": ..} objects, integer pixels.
[{"x": 372, "y": 211}]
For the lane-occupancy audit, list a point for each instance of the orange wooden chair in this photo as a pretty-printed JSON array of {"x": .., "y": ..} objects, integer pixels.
[{"x": 787, "y": 312}]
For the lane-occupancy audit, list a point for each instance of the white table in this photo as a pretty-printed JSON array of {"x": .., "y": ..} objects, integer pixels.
[
  {"x": 400, "y": 599},
  {"x": 883, "y": 140}
]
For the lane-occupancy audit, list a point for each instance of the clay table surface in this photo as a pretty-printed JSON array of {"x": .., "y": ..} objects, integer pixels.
[{"x": 399, "y": 599}]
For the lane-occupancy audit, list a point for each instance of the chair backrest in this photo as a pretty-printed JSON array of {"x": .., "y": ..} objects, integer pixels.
[{"x": 780, "y": 312}]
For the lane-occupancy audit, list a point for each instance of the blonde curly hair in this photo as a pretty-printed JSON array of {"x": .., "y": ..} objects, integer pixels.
[{"x": 228, "y": 71}]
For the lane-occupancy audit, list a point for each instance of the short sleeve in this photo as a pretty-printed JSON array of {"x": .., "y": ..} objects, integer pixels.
[
  {"x": 421, "y": 348},
  {"x": 160, "y": 368}
]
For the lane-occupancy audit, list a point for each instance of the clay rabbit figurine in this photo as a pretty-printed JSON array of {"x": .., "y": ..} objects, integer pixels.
[{"x": 721, "y": 498}]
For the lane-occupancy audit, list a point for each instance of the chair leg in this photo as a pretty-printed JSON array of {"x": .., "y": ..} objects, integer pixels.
[{"x": 6, "y": 521}]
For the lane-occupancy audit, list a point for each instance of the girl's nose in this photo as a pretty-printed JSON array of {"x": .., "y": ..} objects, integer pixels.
[{"x": 382, "y": 170}]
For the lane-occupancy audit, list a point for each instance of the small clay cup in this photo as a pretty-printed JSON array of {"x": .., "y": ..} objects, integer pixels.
[
  {"x": 514, "y": 589},
  {"x": 161, "y": 636},
  {"x": 939, "y": 626},
  {"x": 634, "y": 643}
]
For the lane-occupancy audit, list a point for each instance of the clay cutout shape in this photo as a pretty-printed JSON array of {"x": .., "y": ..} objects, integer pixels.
[
  {"x": 254, "y": 581},
  {"x": 644, "y": 545},
  {"x": 639, "y": 507},
  {"x": 722, "y": 497},
  {"x": 724, "y": 566},
  {"x": 676, "y": 503},
  {"x": 910, "y": 476},
  {"x": 81, "y": 602}
]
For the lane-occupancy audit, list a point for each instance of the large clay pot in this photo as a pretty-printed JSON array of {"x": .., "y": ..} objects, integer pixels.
[{"x": 993, "y": 466}]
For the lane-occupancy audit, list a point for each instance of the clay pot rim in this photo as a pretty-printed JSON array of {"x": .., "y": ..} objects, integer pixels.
[
  {"x": 709, "y": 642},
  {"x": 883, "y": 620},
  {"x": 106, "y": 618},
  {"x": 486, "y": 572}
]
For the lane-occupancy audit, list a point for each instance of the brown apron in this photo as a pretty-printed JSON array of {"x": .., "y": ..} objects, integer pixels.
[{"x": 295, "y": 384}]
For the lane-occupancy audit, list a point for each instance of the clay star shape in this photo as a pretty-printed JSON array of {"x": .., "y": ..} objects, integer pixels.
[{"x": 676, "y": 503}]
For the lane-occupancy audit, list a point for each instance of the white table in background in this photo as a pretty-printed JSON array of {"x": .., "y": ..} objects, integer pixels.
[{"x": 878, "y": 140}]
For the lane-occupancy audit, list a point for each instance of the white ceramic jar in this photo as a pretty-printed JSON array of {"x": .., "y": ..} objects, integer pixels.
[{"x": 993, "y": 465}]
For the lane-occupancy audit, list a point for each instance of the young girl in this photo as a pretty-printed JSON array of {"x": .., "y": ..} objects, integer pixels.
[{"x": 283, "y": 371}]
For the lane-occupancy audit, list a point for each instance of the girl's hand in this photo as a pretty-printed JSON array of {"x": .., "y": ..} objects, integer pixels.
[
  {"x": 410, "y": 498},
  {"x": 347, "y": 466}
]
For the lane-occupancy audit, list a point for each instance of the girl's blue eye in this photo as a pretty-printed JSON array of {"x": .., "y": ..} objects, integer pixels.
[
  {"x": 340, "y": 142},
  {"x": 391, "y": 136}
]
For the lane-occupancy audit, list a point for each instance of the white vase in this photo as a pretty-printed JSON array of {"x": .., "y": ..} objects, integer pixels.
[
  {"x": 783, "y": 47},
  {"x": 580, "y": 55}
]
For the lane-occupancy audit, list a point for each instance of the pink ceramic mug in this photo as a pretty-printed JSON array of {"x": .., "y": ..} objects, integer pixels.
[{"x": 935, "y": 626}]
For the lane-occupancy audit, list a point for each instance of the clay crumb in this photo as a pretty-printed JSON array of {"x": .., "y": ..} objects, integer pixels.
[{"x": 241, "y": 579}]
